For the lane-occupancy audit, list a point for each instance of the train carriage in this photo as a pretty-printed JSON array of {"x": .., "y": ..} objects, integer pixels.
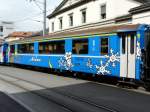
[{"x": 117, "y": 51}]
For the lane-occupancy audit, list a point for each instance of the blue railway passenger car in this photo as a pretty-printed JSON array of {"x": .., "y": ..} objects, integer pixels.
[{"x": 119, "y": 51}]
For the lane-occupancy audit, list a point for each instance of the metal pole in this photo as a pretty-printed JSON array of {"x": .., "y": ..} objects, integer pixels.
[{"x": 44, "y": 19}]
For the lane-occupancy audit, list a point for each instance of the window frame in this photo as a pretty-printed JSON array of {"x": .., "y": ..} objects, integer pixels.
[
  {"x": 79, "y": 40},
  {"x": 13, "y": 52},
  {"x": 26, "y": 51},
  {"x": 52, "y": 44},
  {"x": 71, "y": 22},
  {"x": 123, "y": 46},
  {"x": 1, "y": 28},
  {"x": 132, "y": 44},
  {"x": 83, "y": 17},
  {"x": 53, "y": 28},
  {"x": 101, "y": 53},
  {"x": 101, "y": 14},
  {"x": 61, "y": 23}
]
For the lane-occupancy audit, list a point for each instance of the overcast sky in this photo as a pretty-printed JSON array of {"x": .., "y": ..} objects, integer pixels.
[{"x": 23, "y": 13}]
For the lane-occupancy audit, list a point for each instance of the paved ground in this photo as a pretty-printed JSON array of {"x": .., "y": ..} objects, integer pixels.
[
  {"x": 7, "y": 104},
  {"x": 42, "y": 92}
]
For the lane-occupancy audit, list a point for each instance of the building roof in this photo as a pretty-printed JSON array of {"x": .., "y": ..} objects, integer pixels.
[
  {"x": 142, "y": 8},
  {"x": 58, "y": 9},
  {"x": 21, "y": 34}
]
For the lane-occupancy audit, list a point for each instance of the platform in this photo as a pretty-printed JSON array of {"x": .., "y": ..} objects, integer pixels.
[{"x": 9, "y": 105}]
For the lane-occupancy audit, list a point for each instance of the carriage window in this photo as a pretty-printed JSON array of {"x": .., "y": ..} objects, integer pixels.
[
  {"x": 44, "y": 48},
  {"x": 80, "y": 46},
  {"x": 123, "y": 45},
  {"x": 57, "y": 47},
  {"x": 104, "y": 46},
  {"x": 132, "y": 44},
  {"x": 12, "y": 48},
  {"x": 26, "y": 48}
]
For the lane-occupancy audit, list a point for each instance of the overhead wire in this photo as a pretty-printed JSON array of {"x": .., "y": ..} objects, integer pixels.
[{"x": 36, "y": 3}]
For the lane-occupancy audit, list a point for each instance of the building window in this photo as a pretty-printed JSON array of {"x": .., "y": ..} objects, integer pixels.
[
  {"x": 103, "y": 11},
  {"x": 80, "y": 46},
  {"x": 71, "y": 19},
  {"x": 83, "y": 13},
  {"x": 104, "y": 46},
  {"x": 60, "y": 23},
  {"x": 52, "y": 26},
  {"x": 1, "y": 28}
]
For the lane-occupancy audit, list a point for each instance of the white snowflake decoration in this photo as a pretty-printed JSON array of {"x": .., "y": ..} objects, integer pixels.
[
  {"x": 113, "y": 58},
  {"x": 102, "y": 69},
  {"x": 138, "y": 53},
  {"x": 67, "y": 61},
  {"x": 89, "y": 63}
]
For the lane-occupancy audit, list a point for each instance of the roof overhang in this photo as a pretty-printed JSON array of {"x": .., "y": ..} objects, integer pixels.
[
  {"x": 142, "y": 8},
  {"x": 58, "y": 11}
]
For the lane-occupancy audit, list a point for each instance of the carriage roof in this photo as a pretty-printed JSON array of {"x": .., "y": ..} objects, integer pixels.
[{"x": 82, "y": 33}]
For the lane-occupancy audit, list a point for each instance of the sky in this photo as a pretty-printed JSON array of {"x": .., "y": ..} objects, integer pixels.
[{"x": 25, "y": 14}]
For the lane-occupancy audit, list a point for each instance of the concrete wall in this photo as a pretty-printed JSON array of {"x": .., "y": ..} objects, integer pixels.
[{"x": 114, "y": 8}]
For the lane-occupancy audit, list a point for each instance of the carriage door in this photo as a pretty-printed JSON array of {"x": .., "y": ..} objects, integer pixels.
[
  {"x": 5, "y": 53},
  {"x": 127, "y": 55}
]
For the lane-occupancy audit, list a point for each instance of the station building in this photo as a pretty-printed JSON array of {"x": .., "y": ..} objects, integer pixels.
[
  {"x": 6, "y": 28},
  {"x": 78, "y": 14}
]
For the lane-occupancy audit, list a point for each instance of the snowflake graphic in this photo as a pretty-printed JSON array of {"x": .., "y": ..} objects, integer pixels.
[
  {"x": 66, "y": 61},
  {"x": 102, "y": 69},
  {"x": 113, "y": 58},
  {"x": 138, "y": 53},
  {"x": 89, "y": 63}
]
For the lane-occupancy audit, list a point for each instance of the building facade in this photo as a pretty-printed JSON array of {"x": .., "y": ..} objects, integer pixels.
[
  {"x": 79, "y": 13},
  {"x": 141, "y": 14},
  {"x": 6, "y": 28}
]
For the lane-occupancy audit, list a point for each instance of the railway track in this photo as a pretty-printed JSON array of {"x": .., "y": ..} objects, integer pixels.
[
  {"x": 36, "y": 93},
  {"x": 48, "y": 96}
]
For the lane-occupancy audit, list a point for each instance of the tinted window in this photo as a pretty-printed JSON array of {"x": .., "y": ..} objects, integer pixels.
[
  {"x": 26, "y": 48},
  {"x": 12, "y": 48},
  {"x": 57, "y": 47},
  {"x": 123, "y": 44},
  {"x": 132, "y": 44},
  {"x": 104, "y": 46},
  {"x": 80, "y": 46}
]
